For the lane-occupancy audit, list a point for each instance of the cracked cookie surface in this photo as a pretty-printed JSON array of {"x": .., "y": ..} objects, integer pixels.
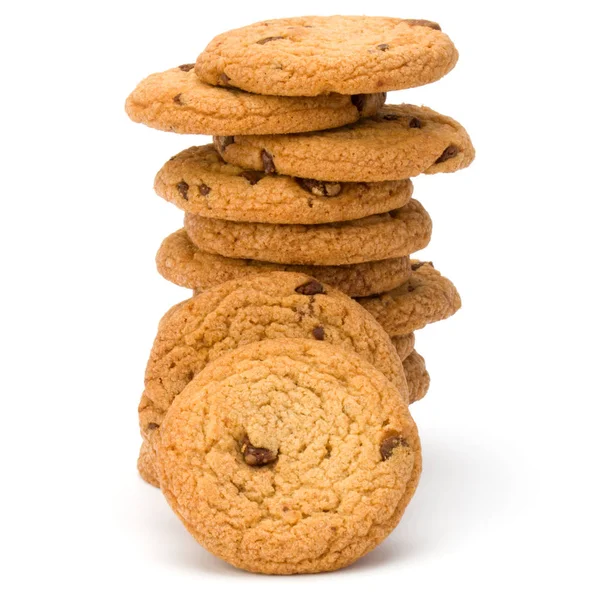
[
  {"x": 199, "y": 181},
  {"x": 181, "y": 262},
  {"x": 272, "y": 306},
  {"x": 390, "y": 235},
  {"x": 425, "y": 298},
  {"x": 176, "y": 100},
  {"x": 399, "y": 142},
  {"x": 308, "y": 56},
  {"x": 417, "y": 376},
  {"x": 288, "y": 456}
]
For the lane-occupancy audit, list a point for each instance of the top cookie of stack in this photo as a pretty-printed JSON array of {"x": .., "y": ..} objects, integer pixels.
[{"x": 313, "y": 73}]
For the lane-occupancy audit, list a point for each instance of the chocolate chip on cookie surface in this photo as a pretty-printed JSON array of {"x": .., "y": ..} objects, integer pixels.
[
  {"x": 289, "y": 456},
  {"x": 176, "y": 100},
  {"x": 309, "y": 56}
]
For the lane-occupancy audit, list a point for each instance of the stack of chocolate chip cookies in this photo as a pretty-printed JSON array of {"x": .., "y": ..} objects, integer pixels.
[{"x": 274, "y": 415}]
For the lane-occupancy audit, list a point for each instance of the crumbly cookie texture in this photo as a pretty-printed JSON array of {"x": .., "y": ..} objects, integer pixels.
[
  {"x": 146, "y": 464},
  {"x": 289, "y": 456},
  {"x": 404, "y": 344},
  {"x": 425, "y": 298},
  {"x": 199, "y": 181},
  {"x": 239, "y": 312},
  {"x": 181, "y": 262},
  {"x": 390, "y": 235},
  {"x": 399, "y": 142},
  {"x": 308, "y": 56},
  {"x": 176, "y": 100},
  {"x": 417, "y": 376}
]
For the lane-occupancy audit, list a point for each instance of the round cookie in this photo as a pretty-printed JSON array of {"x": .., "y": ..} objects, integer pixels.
[
  {"x": 146, "y": 464},
  {"x": 242, "y": 311},
  {"x": 390, "y": 235},
  {"x": 417, "y": 376},
  {"x": 399, "y": 142},
  {"x": 179, "y": 261},
  {"x": 289, "y": 456},
  {"x": 176, "y": 100},
  {"x": 199, "y": 181},
  {"x": 308, "y": 56},
  {"x": 425, "y": 298},
  {"x": 404, "y": 344}
]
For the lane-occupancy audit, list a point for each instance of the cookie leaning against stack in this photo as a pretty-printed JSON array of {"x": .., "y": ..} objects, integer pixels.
[{"x": 269, "y": 374}]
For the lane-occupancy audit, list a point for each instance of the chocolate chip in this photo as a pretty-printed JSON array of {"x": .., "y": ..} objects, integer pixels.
[
  {"x": 423, "y": 23},
  {"x": 204, "y": 189},
  {"x": 319, "y": 333},
  {"x": 152, "y": 426},
  {"x": 415, "y": 123},
  {"x": 416, "y": 266},
  {"x": 252, "y": 176},
  {"x": 320, "y": 188},
  {"x": 410, "y": 288},
  {"x": 256, "y": 457},
  {"x": 447, "y": 154},
  {"x": 222, "y": 141},
  {"x": 390, "y": 117},
  {"x": 182, "y": 188},
  {"x": 177, "y": 99},
  {"x": 387, "y": 446},
  {"x": 383, "y": 47},
  {"x": 186, "y": 68},
  {"x": 267, "y": 161},
  {"x": 310, "y": 288},
  {"x": 270, "y": 39},
  {"x": 223, "y": 80},
  {"x": 359, "y": 100}
]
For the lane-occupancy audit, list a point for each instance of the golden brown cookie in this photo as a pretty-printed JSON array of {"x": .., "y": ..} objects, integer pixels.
[
  {"x": 242, "y": 311},
  {"x": 404, "y": 344},
  {"x": 179, "y": 261},
  {"x": 176, "y": 100},
  {"x": 308, "y": 56},
  {"x": 399, "y": 142},
  {"x": 146, "y": 464},
  {"x": 417, "y": 376},
  {"x": 390, "y": 235},
  {"x": 199, "y": 181},
  {"x": 425, "y": 298},
  {"x": 289, "y": 456}
]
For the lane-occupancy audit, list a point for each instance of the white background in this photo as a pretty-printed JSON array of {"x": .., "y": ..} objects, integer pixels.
[{"x": 508, "y": 504}]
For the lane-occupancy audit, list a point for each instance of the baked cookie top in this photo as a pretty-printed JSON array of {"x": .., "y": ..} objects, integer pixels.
[
  {"x": 400, "y": 141},
  {"x": 199, "y": 181},
  {"x": 179, "y": 261},
  {"x": 308, "y": 56},
  {"x": 389, "y": 235},
  {"x": 176, "y": 100},
  {"x": 425, "y": 298},
  {"x": 242, "y": 311},
  {"x": 289, "y": 456}
]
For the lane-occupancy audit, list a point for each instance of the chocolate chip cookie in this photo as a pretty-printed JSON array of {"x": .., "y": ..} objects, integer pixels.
[
  {"x": 417, "y": 376},
  {"x": 308, "y": 56},
  {"x": 146, "y": 464},
  {"x": 176, "y": 100},
  {"x": 399, "y": 142},
  {"x": 199, "y": 181},
  {"x": 242, "y": 311},
  {"x": 390, "y": 235},
  {"x": 179, "y": 261},
  {"x": 425, "y": 298},
  {"x": 289, "y": 456}
]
